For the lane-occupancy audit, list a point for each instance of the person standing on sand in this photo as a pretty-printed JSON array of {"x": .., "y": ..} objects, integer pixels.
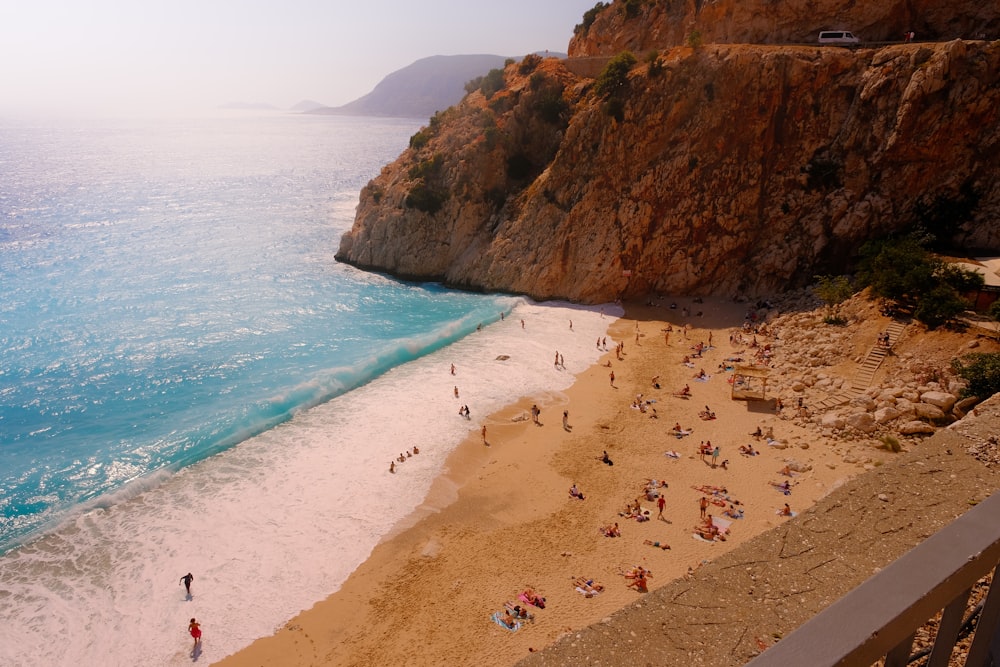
[
  {"x": 565, "y": 420},
  {"x": 484, "y": 436},
  {"x": 187, "y": 579},
  {"x": 612, "y": 378},
  {"x": 453, "y": 369},
  {"x": 703, "y": 504},
  {"x": 715, "y": 455},
  {"x": 660, "y": 503}
]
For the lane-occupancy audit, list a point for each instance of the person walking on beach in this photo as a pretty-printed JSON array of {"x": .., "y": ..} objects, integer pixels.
[
  {"x": 484, "y": 436},
  {"x": 660, "y": 504},
  {"x": 194, "y": 627},
  {"x": 612, "y": 378},
  {"x": 565, "y": 420},
  {"x": 187, "y": 579}
]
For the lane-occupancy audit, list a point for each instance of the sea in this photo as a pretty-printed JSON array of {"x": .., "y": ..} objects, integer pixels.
[{"x": 190, "y": 382}]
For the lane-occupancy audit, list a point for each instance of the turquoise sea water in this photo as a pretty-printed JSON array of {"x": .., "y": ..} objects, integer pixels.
[{"x": 169, "y": 289}]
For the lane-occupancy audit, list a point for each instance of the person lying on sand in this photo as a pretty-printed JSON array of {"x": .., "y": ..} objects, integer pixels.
[
  {"x": 517, "y": 611},
  {"x": 589, "y": 587},
  {"x": 639, "y": 583},
  {"x": 707, "y": 414},
  {"x": 531, "y": 597},
  {"x": 507, "y": 619},
  {"x": 785, "y": 487},
  {"x": 661, "y": 545},
  {"x": 709, "y": 531},
  {"x": 734, "y": 513}
]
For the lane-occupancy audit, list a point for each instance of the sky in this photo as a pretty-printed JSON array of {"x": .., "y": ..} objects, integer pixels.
[{"x": 181, "y": 56}]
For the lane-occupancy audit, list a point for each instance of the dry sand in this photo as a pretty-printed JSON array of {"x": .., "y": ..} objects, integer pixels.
[{"x": 501, "y": 520}]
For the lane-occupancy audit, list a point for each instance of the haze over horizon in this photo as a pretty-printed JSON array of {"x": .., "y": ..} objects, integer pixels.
[{"x": 111, "y": 57}]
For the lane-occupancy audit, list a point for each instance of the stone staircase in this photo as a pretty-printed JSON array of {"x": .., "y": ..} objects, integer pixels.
[{"x": 866, "y": 371}]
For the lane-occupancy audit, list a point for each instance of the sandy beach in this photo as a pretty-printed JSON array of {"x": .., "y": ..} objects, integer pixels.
[{"x": 502, "y": 520}]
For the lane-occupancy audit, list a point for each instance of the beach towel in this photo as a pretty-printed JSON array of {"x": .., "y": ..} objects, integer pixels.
[
  {"x": 722, "y": 524},
  {"x": 778, "y": 512},
  {"x": 702, "y": 539},
  {"x": 672, "y": 454},
  {"x": 704, "y": 379},
  {"x": 498, "y": 619},
  {"x": 586, "y": 593}
]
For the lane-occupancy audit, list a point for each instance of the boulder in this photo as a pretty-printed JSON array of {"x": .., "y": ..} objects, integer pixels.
[
  {"x": 916, "y": 428},
  {"x": 885, "y": 415},
  {"x": 928, "y": 411},
  {"x": 832, "y": 420},
  {"x": 941, "y": 399},
  {"x": 863, "y": 422}
]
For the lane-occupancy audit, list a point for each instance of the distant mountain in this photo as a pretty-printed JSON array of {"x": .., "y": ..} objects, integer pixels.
[
  {"x": 421, "y": 89},
  {"x": 305, "y": 106}
]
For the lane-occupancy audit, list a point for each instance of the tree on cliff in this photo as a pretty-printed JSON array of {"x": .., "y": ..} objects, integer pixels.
[{"x": 904, "y": 271}]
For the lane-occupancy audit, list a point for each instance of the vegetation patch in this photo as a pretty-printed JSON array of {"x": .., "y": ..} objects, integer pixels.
[
  {"x": 425, "y": 198},
  {"x": 982, "y": 372},
  {"x": 905, "y": 272},
  {"x": 589, "y": 17}
]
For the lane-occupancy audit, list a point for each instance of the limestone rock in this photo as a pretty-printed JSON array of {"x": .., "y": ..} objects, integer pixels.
[
  {"x": 915, "y": 428},
  {"x": 832, "y": 420},
  {"x": 928, "y": 411},
  {"x": 539, "y": 190},
  {"x": 885, "y": 415},
  {"x": 941, "y": 399},
  {"x": 656, "y": 25},
  {"x": 863, "y": 422}
]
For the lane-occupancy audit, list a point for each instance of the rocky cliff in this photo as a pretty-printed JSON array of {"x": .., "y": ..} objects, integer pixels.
[
  {"x": 642, "y": 25},
  {"x": 724, "y": 169}
]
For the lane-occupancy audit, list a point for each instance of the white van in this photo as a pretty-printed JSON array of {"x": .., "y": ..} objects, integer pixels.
[{"x": 841, "y": 37}]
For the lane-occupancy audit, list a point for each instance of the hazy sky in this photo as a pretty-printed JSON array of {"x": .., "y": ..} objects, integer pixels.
[{"x": 91, "y": 56}]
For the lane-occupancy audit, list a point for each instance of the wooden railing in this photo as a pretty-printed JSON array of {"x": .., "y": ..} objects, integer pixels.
[{"x": 880, "y": 617}]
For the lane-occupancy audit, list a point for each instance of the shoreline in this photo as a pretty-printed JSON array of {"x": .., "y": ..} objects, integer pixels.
[{"x": 499, "y": 518}]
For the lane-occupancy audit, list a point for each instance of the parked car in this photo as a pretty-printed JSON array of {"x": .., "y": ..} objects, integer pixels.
[{"x": 838, "y": 37}]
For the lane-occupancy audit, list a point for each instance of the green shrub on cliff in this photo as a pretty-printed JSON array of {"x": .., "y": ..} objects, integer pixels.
[
  {"x": 420, "y": 139},
  {"x": 982, "y": 372},
  {"x": 613, "y": 80},
  {"x": 488, "y": 85},
  {"x": 529, "y": 63},
  {"x": 589, "y": 17},
  {"x": 425, "y": 198}
]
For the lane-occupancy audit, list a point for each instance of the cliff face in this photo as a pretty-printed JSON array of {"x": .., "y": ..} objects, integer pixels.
[
  {"x": 640, "y": 26},
  {"x": 723, "y": 170}
]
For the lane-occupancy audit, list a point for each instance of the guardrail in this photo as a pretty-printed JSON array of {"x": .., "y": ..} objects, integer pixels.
[{"x": 880, "y": 617}]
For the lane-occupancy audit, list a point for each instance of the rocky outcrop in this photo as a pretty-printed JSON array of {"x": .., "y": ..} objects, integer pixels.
[
  {"x": 719, "y": 170},
  {"x": 643, "y": 26}
]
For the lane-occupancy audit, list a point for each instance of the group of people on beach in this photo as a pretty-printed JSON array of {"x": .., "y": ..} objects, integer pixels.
[{"x": 402, "y": 458}]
